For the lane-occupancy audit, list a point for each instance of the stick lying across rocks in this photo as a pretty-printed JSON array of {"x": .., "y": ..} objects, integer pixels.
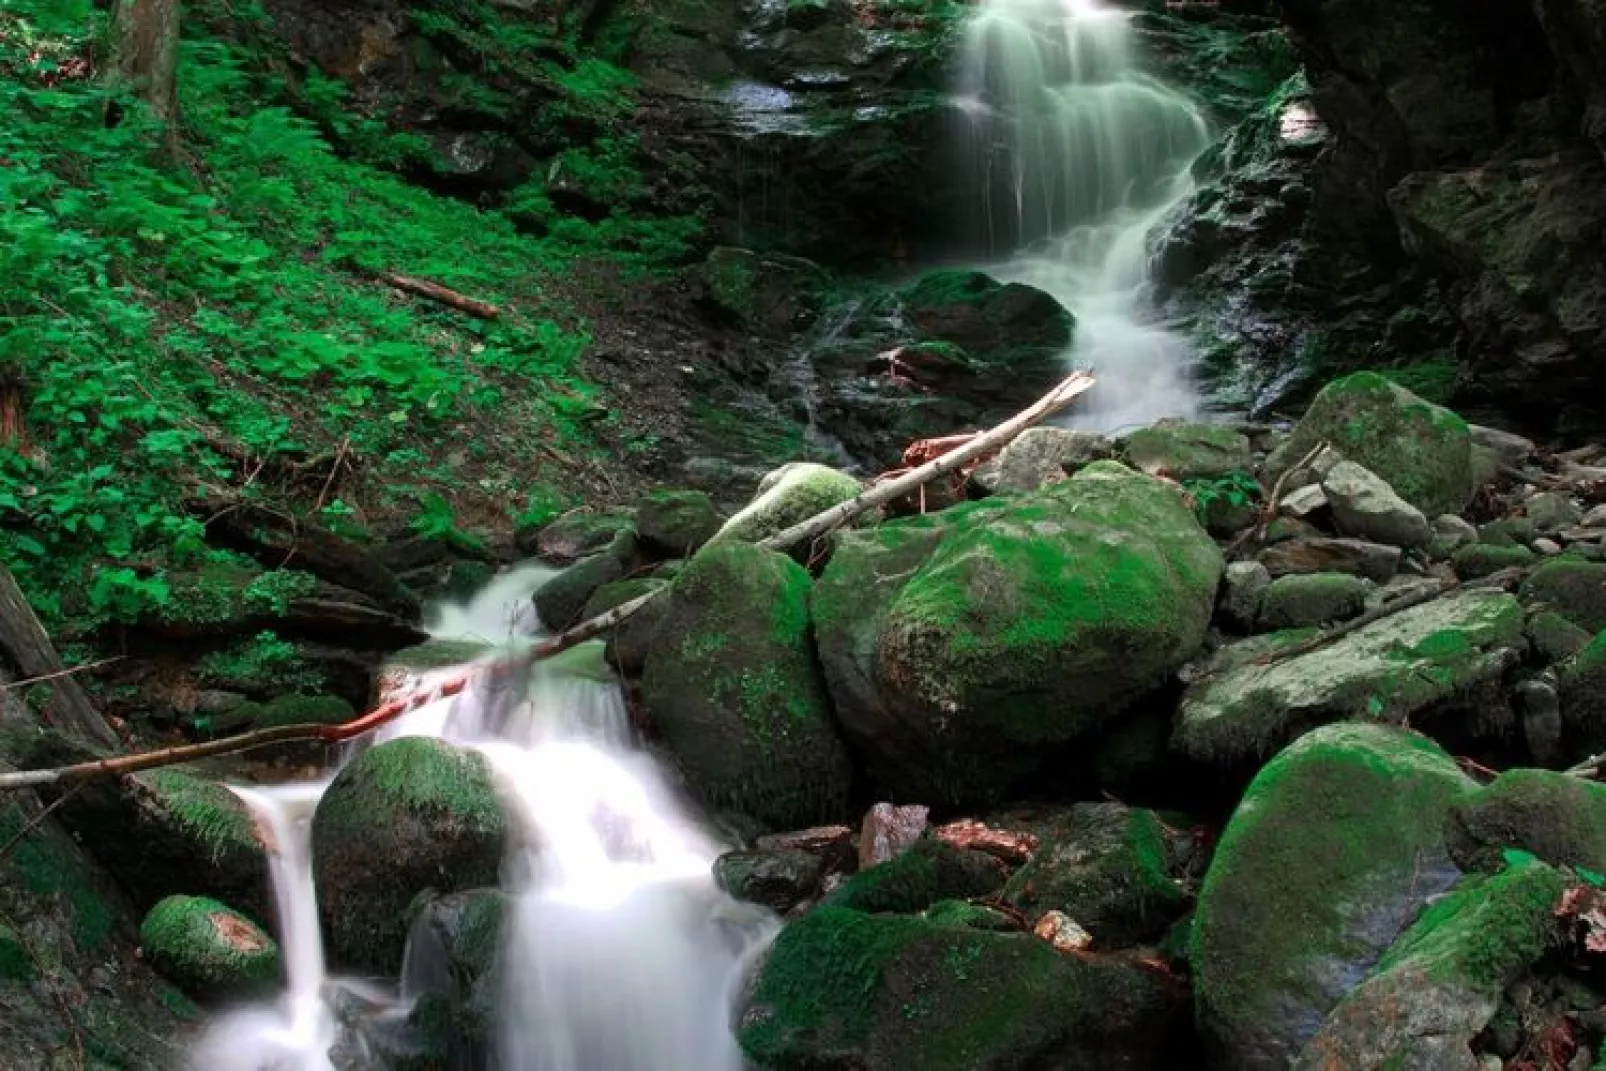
[{"x": 814, "y": 527}]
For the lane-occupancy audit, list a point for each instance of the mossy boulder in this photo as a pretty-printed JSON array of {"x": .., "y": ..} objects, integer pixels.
[
  {"x": 1335, "y": 847},
  {"x": 1485, "y": 559},
  {"x": 767, "y": 293},
  {"x": 1583, "y": 699},
  {"x": 1014, "y": 329},
  {"x": 1188, "y": 451},
  {"x": 1556, "y": 818},
  {"x": 209, "y": 951},
  {"x": 676, "y": 523},
  {"x": 789, "y": 495},
  {"x": 1424, "y": 451},
  {"x": 1553, "y": 638},
  {"x": 630, "y": 641},
  {"x": 930, "y": 870},
  {"x": 733, "y": 684},
  {"x": 573, "y": 536},
  {"x": 1249, "y": 702},
  {"x": 407, "y": 816},
  {"x": 1104, "y": 865},
  {"x": 1303, "y": 600},
  {"x": 561, "y": 599},
  {"x": 841, "y": 990},
  {"x": 959, "y": 646},
  {"x": 1574, "y": 589},
  {"x": 167, "y": 832},
  {"x": 1442, "y": 981}
]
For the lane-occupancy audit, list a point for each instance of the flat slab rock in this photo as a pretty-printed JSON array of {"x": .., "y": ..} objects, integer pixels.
[
  {"x": 1374, "y": 561},
  {"x": 1243, "y": 707}
]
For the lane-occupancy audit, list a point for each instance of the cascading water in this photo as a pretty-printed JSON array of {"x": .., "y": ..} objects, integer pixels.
[
  {"x": 1078, "y": 154},
  {"x": 619, "y": 954}
]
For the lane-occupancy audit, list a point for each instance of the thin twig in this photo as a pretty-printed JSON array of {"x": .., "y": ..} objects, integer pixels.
[
  {"x": 59, "y": 674},
  {"x": 334, "y": 470},
  {"x": 1268, "y": 509},
  {"x": 37, "y": 820}
]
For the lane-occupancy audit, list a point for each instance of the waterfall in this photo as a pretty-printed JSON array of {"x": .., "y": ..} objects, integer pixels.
[
  {"x": 1077, "y": 154},
  {"x": 619, "y": 952}
]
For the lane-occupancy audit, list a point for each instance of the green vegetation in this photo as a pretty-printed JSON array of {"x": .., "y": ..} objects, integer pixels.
[
  {"x": 208, "y": 950},
  {"x": 193, "y": 319}
]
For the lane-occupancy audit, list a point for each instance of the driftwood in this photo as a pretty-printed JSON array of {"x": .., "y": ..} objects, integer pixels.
[
  {"x": 28, "y": 647},
  {"x": 423, "y": 288},
  {"x": 816, "y": 526}
]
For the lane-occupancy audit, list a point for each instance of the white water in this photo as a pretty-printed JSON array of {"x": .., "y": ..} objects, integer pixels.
[
  {"x": 1079, "y": 155},
  {"x": 620, "y": 953}
]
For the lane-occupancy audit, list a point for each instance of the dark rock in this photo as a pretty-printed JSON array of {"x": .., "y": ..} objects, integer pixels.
[
  {"x": 405, "y": 816},
  {"x": 1104, "y": 866},
  {"x": 780, "y": 879},
  {"x": 1482, "y": 559},
  {"x": 833, "y": 844},
  {"x": 733, "y": 684},
  {"x": 1014, "y": 329},
  {"x": 561, "y": 600},
  {"x": 676, "y": 523},
  {"x": 574, "y": 536},
  {"x": 1574, "y": 589},
  {"x": 927, "y": 871},
  {"x": 1374, "y": 561},
  {"x": 629, "y": 642},
  {"x": 1243, "y": 592},
  {"x": 1554, "y": 638},
  {"x": 843, "y": 990},
  {"x": 766, "y": 293},
  {"x": 1538, "y": 703},
  {"x": 454, "y": 949}
]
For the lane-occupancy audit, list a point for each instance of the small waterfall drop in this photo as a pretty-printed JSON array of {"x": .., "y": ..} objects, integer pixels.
[
  {"x": 1077, "y": 155},
  {"x": 619, "y": 952}
]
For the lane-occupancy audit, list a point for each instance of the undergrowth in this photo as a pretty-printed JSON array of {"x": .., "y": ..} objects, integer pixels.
[{"x": 190, "y": 319}]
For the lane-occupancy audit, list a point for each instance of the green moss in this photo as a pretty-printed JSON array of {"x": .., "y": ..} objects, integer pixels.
[
  {"x": 51, "y": 866},
  {"x": 1482, "y": 559},
  {"x": 207, "y": 949},
  {"x": 788, "y": 496},
  {"x": 1301, "y": 601},
  {"x": 264, "y": 664},
  {"x": 1422, "y": 450},
  {"x": 930, "y": 870},
  {"x": 1554, "y": 638},
  {"x": 1335, "y": 846},
  {"x": 732, "y": 682},
  {"x": 1188, "y": 451},
  {"x": 1558, "y": 819},
  {"x": 1575, "y": 589},
  {"x": 968, "y": 915},
  {"x": 178, "y": 1003},
  {"x": 1485, "y": 931},
  {"x": 205, "y": 812},
  {"x": 415, "y": 775}
]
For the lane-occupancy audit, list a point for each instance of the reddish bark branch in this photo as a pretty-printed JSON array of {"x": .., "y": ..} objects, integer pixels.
[{"x": 423, "y": 288}]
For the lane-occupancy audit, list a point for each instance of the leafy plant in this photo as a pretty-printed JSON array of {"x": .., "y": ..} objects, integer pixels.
[{"x": 1236, "y": 489}]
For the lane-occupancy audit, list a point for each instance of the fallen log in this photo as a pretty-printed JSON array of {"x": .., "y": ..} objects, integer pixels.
[
  {"x": 423, "y": 288},
  {"x": 814, "y": 527},
  {"x": 27, "y": 646}
]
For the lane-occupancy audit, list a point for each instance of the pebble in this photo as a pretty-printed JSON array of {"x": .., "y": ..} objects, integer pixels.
[{"x": 1548, "y": 547}]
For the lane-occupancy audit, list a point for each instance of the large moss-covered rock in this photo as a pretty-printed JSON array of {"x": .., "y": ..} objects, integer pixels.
[
  {"x": 406, "y": 816},
  {"x": 1186, "y": 451},
  {"x": 1332, "y": 851},
  {"x": 1559, "y": 819},
  {"x": 209, "y": 951},
  {"x": 1574, "y": 589},
  {"x": 1302, "y": 600},
  {"x": 1441, "y": 982},
  {"x": 1104, "y": 865},
  {"x": 958, "y": 646},
  {"x": 845, "y": 991},
  {"x": 167, "y": 832},
  {"x": 789, "y": 495},
  {"x": 1422, "y": 450},
  {"x": 733, "y": 683},
  {"x": 1246, "y": 705}
]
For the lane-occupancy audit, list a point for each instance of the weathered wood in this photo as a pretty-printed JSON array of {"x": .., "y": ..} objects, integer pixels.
[
  {"x": 28, "y": 647},
  {"x": 812, "y": 528},
  {"x": 145, "y": 45},
  {"x": 423, "y": 288}
]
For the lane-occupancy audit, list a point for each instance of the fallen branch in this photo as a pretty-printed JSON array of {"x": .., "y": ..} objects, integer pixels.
[
  {"x": 812, "y": 528},
  {"x": 1268, "y": 509},
  {"x": 423, "y": 288}
]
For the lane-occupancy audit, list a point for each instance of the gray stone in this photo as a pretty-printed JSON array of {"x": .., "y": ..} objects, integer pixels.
[
  {"x": 1304, "y": 600},
  {"x": 1242, "y": 593},
  {"x": 1595, "y": 518},
  {"x": 1375, "y": 561},
  {"x": 1551, "y": 512},
  {"x": 1304, "y": 501},
  {"x": 1244, "y": 707},
  {"x": 1457, "y": 531},
  {"x": 1040, "y": 456},
  {"x": 1365, "y": 505},
  {"x": 1548, "y": 547},
  {"x": 1187, "y": 451},
  {"x": 1540, "y": 705},
  {"x": 1511, "y": 449}
]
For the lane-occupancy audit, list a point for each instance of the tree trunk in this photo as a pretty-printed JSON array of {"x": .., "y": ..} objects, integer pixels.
[{"x": 145, "y": 52}]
